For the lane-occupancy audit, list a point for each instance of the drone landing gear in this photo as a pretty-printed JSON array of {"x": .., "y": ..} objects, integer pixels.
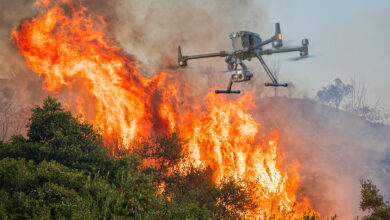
[
  {"x": 270, "y": 74},
  {"x": 276, "y": 84},
  {"x": 228, "y": 90}
]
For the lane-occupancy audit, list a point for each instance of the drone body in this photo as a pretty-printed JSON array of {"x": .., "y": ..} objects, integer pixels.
[{"x": 247, "y": 45}]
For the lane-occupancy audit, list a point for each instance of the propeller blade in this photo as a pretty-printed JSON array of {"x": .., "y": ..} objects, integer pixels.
[
  {"x": 225, "y": 71},
  {"x": 194, "y": 68},
  {"x": 301, "y": 58},
  {"x": 230, "y": 71}
]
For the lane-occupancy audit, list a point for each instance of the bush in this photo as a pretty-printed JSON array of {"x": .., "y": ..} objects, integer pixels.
[
  {"x": 62, "y": 170},
  {"x": 372, "y": 201}
]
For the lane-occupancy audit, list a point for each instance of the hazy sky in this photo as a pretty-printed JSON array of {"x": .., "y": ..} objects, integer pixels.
[{"x": 349, "y": 37}]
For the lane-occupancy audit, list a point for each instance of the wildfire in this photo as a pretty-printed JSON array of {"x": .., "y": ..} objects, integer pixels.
[
  {"x": 223, "y": 137},
  {"x": 68, "y": 46}
]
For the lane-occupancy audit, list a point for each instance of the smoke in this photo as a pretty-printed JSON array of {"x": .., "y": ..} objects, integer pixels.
[
  {"x": 152, "y": 30},
  {"x": 12, "y": 12},
  {"x": 335, "y": 149}
]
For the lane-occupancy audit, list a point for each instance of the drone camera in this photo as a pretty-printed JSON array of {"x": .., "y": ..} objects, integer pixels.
[{"x": 241, "y": 75}]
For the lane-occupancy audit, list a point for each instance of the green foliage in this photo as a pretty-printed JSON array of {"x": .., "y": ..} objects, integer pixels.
[
  {"x": 229, "y": 200},
  {"x": 372, "y": 201},
  {"x": 190, "y": 186},
  {"x": 54, "y": 134},
  {"x": 186, "y": 211},
  {"x": 81, "y": 181},
  {"x": 63, "y": 171},
  {"x": 51, "y": 190},
  {"x": 370, "y": 196},
  {"x": 160, "y": 154},
  {"x": 193, "y": 185},
  {"x": 137, "y": 186},
  {"x": 234, "y": 200},
  {"x": 310, "y": 215}
]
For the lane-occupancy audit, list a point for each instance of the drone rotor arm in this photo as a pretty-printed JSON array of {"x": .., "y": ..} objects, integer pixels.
[
  {"x": 276, "y": 40},
  {"x": 282, "y": 50},
  {"x": 182, "y": 60},
  {"x": 262, "y": 43},
  {"x": 304, "y": 51}
]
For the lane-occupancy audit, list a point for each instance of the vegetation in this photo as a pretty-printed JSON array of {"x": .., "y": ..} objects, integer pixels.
[
  {"x": 62, "y": 170},
  {"x": 351, "y": 97},
  {"x": 372, "y": 201}
]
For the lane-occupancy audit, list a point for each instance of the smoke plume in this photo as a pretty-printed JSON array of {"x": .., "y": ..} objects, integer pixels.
[{"x": 334, "y": 149}]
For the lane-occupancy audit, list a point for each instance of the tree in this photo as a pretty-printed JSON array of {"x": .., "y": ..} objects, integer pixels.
[
  {"x": 353, "y": 95},
  {"x": 234, "y": 200},
  {"x": 5, "y": 122},
  {"x": 357, "y": 103},
  {"x": 81, "y": 181},
  {"x": 372, "y": 201},
  {"x": 51, "y": 190},
  {"x": 334, "y": 93},
  {"x": 160, "y": 155},
  {"x": 12, "y": 117},
  {"x": 192, "y": 185},
  {"x": 54, "y": 134}
]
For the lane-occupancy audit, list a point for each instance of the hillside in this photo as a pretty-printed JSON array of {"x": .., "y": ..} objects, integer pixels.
[{"x": 335, "y": 150}]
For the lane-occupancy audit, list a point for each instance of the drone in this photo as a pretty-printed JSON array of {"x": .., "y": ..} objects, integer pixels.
[{"x": 247, "y": 45}]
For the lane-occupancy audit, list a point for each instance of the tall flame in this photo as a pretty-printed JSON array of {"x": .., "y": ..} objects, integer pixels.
[
  {"x": 223, "y": 137},
  {"x": 67, "y": 45}
]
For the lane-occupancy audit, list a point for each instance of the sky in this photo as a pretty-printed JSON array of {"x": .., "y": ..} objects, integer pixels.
[{"x": 348, "y": 37}]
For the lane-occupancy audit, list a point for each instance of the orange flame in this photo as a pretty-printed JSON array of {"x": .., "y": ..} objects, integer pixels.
[
  {"x": 70, "y": 45},
  {"x": 67, "y": 46},
  {"x": 223, "y": 137}
]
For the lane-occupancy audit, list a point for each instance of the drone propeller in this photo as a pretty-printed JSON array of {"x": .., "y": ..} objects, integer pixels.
[
  {"x": 303, "y": 57},
  {"x": 225, "y": 71},
  {"x": 194, "y": 68},
  {"x": 230, "y": 71}
]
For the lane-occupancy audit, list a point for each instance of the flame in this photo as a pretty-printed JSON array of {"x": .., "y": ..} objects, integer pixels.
[
  {"x": 67, "y": 45},
  {"x": 223, "y": 137}
]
